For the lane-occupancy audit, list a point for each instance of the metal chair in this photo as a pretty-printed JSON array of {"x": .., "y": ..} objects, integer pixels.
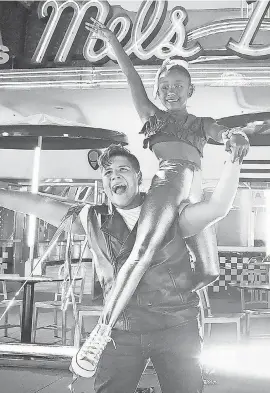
[
  {"x": 92, "y": 310},
  {"x": 252, "y": 311},
  {"x": 5, "y": 303},
  {"x": 208, "y": 318},
  {"x": 85, "y": 311},
  {"x": 56, "y": 304},
  {"x": 257, "y": 295}
]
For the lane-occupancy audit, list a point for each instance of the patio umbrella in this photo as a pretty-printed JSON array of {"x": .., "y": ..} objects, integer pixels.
[
  {"x": 256, "y": 126},
  {"x": 55, "y": 134}
]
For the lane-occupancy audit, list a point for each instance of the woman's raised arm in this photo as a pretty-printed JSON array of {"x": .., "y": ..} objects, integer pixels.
[{"x": 143, "y": 105}]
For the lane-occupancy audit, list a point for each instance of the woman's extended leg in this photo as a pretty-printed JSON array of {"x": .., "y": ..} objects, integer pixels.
[
  {"x": 169, "y": 188},
  {"x": 163, "y": 202}
]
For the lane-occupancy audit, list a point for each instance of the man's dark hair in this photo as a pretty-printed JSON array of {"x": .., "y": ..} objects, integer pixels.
[{"x": 115, "y": 151}]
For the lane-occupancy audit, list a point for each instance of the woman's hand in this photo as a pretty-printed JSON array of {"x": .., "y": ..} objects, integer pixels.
[
  {"x": 99, "y": 31},
  {"x": 237, "y": 144},
  {"x": 239, "y": 147}
]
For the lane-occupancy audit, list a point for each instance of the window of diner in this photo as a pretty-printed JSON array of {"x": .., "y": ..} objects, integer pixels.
[
  {"x": 247, "y": 223},
  {"x": 259, "y": 211},
  {"x": 234, "y": 229},
  {"x": 260, "y": 216}
]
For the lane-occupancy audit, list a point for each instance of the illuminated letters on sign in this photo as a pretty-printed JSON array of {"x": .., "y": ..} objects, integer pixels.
[
  {"x": 170, "y": 43},
  {"x": 149, "y": 37},
  {"x": 4, "y": 56},
  {"x": 244, "y": 47}
]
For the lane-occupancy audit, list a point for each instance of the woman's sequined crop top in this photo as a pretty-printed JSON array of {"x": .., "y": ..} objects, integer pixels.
[{"x": 164, "y": 127}]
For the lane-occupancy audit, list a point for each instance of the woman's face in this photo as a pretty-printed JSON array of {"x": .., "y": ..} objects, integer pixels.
[{"x": 174, "y": 89}]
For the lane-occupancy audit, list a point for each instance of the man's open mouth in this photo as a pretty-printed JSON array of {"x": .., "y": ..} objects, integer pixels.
[
  {"x": 119, "y": 188},
  {"x": 172, "y": 99}
]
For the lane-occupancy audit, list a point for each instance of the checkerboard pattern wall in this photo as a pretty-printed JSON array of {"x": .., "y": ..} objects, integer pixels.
[{"x": 234, "y": 268}]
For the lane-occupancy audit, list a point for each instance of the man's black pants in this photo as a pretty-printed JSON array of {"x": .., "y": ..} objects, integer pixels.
[{"x": 174, "y": 353}]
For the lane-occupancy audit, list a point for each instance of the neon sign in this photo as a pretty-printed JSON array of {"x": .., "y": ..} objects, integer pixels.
[
  {"x": 4, "y": 56},
  {"x": 168, "y": 31},
  {"x": 244, "y": 47}
]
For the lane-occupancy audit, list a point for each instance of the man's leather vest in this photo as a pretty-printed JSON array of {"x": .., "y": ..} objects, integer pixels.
[{"x": 166, "y": 285}]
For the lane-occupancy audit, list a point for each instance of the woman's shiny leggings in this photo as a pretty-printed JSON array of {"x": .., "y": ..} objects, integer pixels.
[{"x": 170, "y": 187}]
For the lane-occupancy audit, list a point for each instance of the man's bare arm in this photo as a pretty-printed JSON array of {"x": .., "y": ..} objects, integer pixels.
[
  {"x": 193, "y": 218},
  {"x": 45, "y": 208}
]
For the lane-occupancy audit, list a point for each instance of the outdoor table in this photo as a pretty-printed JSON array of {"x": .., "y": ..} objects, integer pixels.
[
  {"x": 258, "y": 286},
  {"x": 267, "y": 267},
  {"x": 265, "y": 287},
  {"x": 28, "y": 299},
  {"x": 256, "y": 126},
  {"x": 255, "y": 312}
]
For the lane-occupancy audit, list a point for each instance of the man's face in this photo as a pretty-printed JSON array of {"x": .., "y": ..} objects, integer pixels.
[{"x": 121, "y": 183}]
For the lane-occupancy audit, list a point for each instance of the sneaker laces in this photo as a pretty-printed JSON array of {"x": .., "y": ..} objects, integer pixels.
[{"x": 96, "y": 343}]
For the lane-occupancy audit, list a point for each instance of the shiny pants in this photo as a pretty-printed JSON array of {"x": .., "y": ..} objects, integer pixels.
[{"x": 175, "y": 182}]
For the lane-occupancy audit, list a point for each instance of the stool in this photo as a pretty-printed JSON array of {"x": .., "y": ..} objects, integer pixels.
[{"x": 83, "y": 311}]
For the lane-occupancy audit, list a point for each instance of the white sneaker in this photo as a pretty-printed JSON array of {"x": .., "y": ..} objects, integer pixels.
[{"x": 85, "y": 362}]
